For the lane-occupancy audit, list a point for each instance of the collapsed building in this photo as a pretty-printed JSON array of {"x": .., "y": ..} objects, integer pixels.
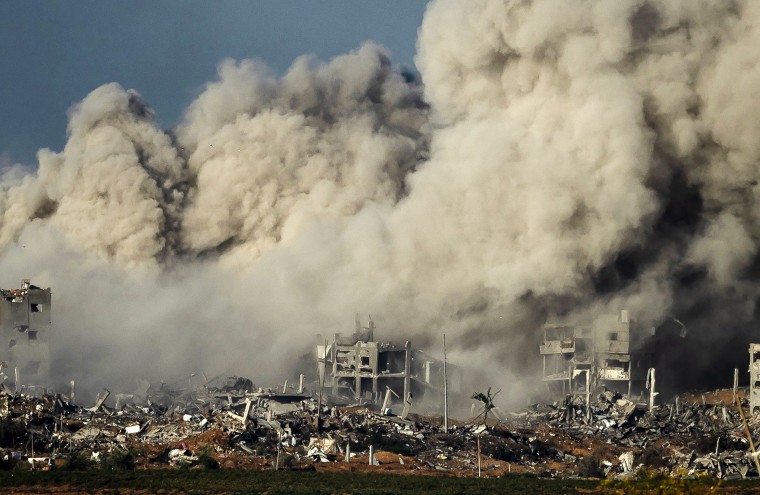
[
  {"x": 241, "y": 425},
  {"x": 238, "y": 425},
  {"x": 754, "y": 378},
  {"x": 25, "y": 326},
  {"x": 358, "y": 368},
  {"x": 578, "y": 358}
]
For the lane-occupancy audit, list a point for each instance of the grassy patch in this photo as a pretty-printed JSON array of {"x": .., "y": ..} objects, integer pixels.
[
  {"x": 215, "y": 481},
  {"x": 204, "y": 481}
]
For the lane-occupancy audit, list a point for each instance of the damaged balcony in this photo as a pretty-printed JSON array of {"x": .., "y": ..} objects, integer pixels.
[
  {"x": 581, "y": 356},
  {"x": 25, "y": 326},
  {"x": 360, "y": 369}
]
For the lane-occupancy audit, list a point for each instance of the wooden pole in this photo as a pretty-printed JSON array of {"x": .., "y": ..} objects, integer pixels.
[
  {"x": 279, "y": 441},
  {"x": 749, "y": 435},
  {"x": 445, "y": 390},
  {"x": 322, "y": 385},
  {"x": 478, "y": 436},
  {"x": 736, "y": 382},
  {"x": 588, "y": 394}
]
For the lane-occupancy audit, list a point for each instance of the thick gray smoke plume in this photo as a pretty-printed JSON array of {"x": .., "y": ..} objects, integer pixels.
[
  {"x": 602, "y": 154},
  {"x": 562, "y": 159}
]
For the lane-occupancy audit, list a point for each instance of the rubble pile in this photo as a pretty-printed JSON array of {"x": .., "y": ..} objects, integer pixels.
[
  {"x": 237, "y": 425},
  {"x": 678, "y": 439},
  {"x": 241, "y": 428}
]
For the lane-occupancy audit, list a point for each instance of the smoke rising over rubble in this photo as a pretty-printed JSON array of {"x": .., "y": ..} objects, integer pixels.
[{"x": 556, "y": 159}]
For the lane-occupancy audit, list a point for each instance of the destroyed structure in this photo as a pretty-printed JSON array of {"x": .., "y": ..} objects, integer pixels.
[
  {"x": 754, "y": 378},
  {"x": 580, "y": 358},
  {"x": 242, "y": 426},
  {"x": 360, "y": 369},
  {"x": 25, "y": 325},
  {"x": 236, "y": 424}
]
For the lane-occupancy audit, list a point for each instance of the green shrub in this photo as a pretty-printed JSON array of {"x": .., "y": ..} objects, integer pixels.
[
  {"x": 119, "y": 460},
  {"x": 289, "y": 460},
  {"x": 649, "y": 481},
  {"x": 654, "y": 457},
  {"x": 206, "y": 458},
  {"x": 77, "y": 461},
  {"x": 590, "y": 467},
  {"x": 11, "y": 434}
]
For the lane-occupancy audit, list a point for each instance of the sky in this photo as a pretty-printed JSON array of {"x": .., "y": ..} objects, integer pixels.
[{"x": 52, "y": 54}]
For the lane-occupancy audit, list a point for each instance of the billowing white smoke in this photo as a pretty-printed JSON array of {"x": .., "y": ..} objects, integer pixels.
[
  {"x": 571, "y": 130},
  {"x": 575, "y": 157},
  {"x": 154, "y": 244},
  {"x": 271, "y": 155}
]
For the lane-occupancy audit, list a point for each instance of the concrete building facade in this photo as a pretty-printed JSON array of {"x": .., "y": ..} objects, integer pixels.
[
  {"x": 363, "y": 369},
  {"x": 754, "y": 378},
  {"x": 578, "y": 357},
  {"x": 25, "y": 326}
]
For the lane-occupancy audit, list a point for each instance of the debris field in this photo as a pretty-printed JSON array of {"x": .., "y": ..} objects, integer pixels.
[{"x": 237, "y": 425}]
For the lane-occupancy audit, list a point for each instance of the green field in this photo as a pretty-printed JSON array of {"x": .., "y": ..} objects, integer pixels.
[{"x": 267, "y": 482}]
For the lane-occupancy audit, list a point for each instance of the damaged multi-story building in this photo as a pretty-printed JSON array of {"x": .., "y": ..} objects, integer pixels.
[
  {"x": 359, "y": 368},
  {"x": 25, "y": 324},
  {"x": 754, "y": 378},
  {"x": 581, "y": 357}
]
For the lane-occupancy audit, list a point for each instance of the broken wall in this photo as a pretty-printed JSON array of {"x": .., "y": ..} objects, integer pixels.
[{"x": 25, "y": 329}]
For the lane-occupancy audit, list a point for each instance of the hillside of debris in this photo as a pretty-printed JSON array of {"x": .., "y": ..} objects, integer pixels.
[{"x": 236, "y": 425}]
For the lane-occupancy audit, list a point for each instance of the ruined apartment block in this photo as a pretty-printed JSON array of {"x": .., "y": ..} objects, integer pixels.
[
  {"x": 361, "y": 369},
  {"x": 754, "y": 378},
  {"x": 25, "y": 326},
  {"x": 581, "y": 357}
]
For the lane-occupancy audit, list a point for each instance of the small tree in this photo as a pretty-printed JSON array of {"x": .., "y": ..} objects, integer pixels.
[
  {"x": 119, "y": 460},
  {"x": 487, "y": 400},
  {"x": 77, "y": 461},
  {"x": 207, "y": 459}
]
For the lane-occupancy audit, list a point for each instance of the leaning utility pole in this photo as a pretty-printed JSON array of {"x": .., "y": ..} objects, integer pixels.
[
  {"x": 322, "y": 386},
  {"x": 445, "y": 390},
  {"x": 738, "y": 403}
]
